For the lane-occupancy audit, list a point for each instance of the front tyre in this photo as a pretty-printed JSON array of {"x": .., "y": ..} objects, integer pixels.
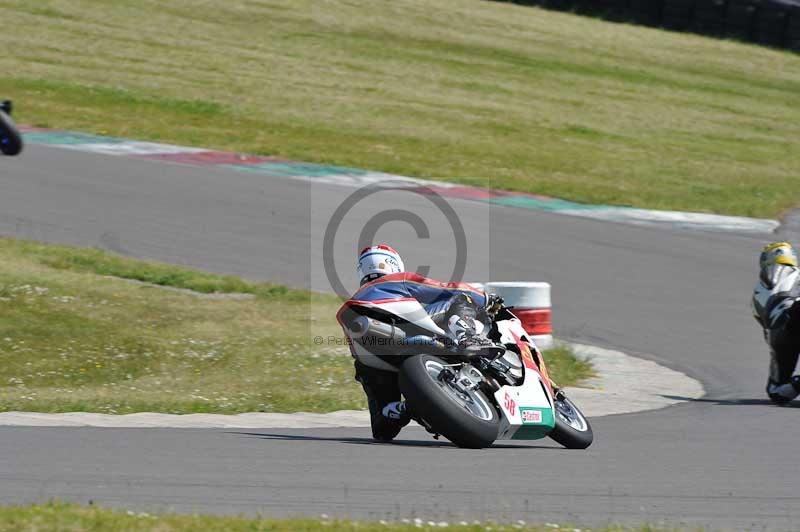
[
  {"x": 466, "y": 417},
  {"x": 10, "y": 139},
  {"x": 572, "y": 429}
]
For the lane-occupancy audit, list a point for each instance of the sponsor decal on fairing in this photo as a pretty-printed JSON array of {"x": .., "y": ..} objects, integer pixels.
[{"x": 531, "y": 416}]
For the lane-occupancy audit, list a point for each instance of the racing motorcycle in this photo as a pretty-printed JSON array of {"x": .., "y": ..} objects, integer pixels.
[
  {"x": 10, "y": 137},
  {"x": 502, "y": 392}
]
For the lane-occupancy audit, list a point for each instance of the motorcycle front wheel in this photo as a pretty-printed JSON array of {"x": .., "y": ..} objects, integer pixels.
[
  {"x": 572, "y": 429},
  {"x": 464, "y": 416},
  {"x": 10, "y": 138}
]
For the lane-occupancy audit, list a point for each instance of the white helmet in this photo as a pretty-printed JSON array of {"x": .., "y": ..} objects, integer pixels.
[{"x": 377, "y": 261}]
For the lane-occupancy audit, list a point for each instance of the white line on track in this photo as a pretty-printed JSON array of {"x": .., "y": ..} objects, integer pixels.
[{"x": 624, "y": 384}]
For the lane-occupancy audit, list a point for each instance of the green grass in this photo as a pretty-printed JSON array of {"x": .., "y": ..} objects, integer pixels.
[
  {"x": 102, "y": 263},
  {"x": 56, "y": 516},
  {"x": 77, "y": 335},
  {"x": 564, "y": 368},
  {"x": 470, "y": 91}
]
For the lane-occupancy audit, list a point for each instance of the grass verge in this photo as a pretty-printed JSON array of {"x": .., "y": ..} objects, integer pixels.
[
  {"x": 564, "y": 367},
  {"x": 469, "y": 91},
  {"x": 75, "y": 518},
  {"x": 77, "y": 335}
]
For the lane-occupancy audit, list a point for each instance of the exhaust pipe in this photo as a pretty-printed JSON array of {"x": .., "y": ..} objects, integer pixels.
[{"x": 363, "y": 328}]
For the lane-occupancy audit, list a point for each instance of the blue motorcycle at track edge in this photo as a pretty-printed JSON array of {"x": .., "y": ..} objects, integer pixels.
[{"x": 10, "y": 137}]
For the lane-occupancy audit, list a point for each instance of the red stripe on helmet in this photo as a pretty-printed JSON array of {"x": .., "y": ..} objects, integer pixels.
[{"x": 379, "y": 246}]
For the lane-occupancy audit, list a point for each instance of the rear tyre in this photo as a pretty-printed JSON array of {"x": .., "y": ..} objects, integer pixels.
[
  {"x": 10, "y": 139},
  {"x": 572, "y": 429},
  {"x": 466, "y": 419}
]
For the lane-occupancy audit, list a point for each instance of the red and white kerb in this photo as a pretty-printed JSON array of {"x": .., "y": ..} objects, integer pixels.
[{"x": 532, "y": 305}]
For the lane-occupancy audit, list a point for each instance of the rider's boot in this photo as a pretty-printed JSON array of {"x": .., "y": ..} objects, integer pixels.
[
  {"x": 387, "y": 422},
  {"x": 382, "y": 389},
  {"x": 465, "y": 333},
  {"x": 465, "y": 328},
  {"x": 785, "y": 392},
  {"x": 397, "y": 411},
  {"x": 471, "y": 344}
]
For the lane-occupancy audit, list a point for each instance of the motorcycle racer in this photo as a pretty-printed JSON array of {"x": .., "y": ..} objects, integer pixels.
[
  {"x": 776, "y": 308},
  {"x": 10, "y": 138},
  {"x": 457, "y": 308}
]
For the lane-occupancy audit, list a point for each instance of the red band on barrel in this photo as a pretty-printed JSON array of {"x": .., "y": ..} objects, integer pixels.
[{"x": 535, "y": 321}]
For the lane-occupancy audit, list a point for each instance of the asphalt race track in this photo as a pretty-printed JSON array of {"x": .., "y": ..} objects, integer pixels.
[{"x": 675, "y": 296}]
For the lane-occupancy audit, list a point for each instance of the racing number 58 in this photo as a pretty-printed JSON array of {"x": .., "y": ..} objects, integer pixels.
[{"x": 509, "y": 404}]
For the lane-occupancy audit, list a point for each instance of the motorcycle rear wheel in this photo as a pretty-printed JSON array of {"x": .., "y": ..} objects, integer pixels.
[
  {"x": 572, "y": 429},
  {"x": 467, "y": 419},
  {"x": 10, "y": 138}
]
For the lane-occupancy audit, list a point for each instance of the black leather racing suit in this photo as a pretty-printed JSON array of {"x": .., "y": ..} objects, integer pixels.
[{"x": 776, "y": 309}]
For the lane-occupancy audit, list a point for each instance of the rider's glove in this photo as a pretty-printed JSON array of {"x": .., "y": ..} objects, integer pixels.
[{"x": 493, "y": 304}]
